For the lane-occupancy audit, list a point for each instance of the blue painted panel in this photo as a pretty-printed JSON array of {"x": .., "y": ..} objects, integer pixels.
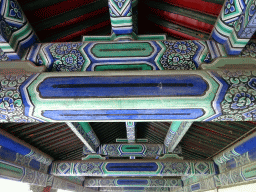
[
  {"x": 246, "y": 146},
  {"x": 80, "y": 87},
  {"x": 195, "y": 187},
  {"x": 35, "y": 164},
  {"x": 131, "y": 167},
  {"x": 132, "y": 182},
  {"x": 134, "y": 188},
  {"x": 7, "y": 154},
  {"x": 123, "y": 114},
  {"x": 14, "y": 146},
  {"x": 252, "y": 154},
  {"x": 231, "y": 164}
]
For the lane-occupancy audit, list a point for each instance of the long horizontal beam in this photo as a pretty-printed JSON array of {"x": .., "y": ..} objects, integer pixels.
[
  {"x": 239, "y": 154},
  {"x": 144, "y": 189},
  {"x": 145, "y": 54},
  {"x": 127, "y": 150},
  {"x": 132, "y": 182},
  {"x": 125, "y": 96},
  {"x": 170, "y": 167}
]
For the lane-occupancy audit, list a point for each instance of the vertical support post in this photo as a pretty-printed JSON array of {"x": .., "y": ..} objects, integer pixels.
[
  {"x": 121, "y": 16},
  {"x": 17, "y": 34},
  {"x": 86, "y": 134},
  {"x": 235, "y": 25},
  {"x": 130, "y": 130},
  {"x": 175, "y": 133}
]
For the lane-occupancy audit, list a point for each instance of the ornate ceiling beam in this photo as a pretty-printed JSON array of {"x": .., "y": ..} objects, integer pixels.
[
  {"x": 239, "y": 154},
  {"x": 155, "y": 54},
  {"x": 149, "y": 95},
  {"x": 175, "y": 133},
  {"x": 139, "y": 168},
  {"x": 86, "y": 134},
  {"x": 235, "y": 25},
  {"x": 132, "y": 182}
]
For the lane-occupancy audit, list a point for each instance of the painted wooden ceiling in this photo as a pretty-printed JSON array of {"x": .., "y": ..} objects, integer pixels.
[
  {"x": 58, "y": 20},
  {"x": 202, "y": 141}
]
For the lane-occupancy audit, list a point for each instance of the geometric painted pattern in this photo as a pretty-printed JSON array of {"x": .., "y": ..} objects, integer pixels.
[
  {"x": 177, "y": 130},
  {"x": 128, "y": 182},
  {"x": 236, "y": 176},
  {"x": 235, "y": 26},
  {"x": 214, "y": 95},
  {"x": 131, "y": 131},
  {"x": 126, "y": 150},
  {"x": 243, "y": 153},
  {"x": 11, "y": 156},
  {"x": 139, "y": 55},
  {"x": 136, "y": 168},
  {"x": 15, "y": 29},
  {"x": 121, "y": 16},
  {"x": 15, "y": 151},
  {"x": 20, "y": 173}
]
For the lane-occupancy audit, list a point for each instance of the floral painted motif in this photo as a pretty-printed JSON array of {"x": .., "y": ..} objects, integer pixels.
[
  {"x": 179, "y": 55},
  {"x": 249, "y": 50},
  {"x": 240, "y": 100},
  {"x": 229, "y": 7},
  {"x": 15, "y": 10},
  {"x": 67, "y": 57},
  {"x": 11, "y": 106}
]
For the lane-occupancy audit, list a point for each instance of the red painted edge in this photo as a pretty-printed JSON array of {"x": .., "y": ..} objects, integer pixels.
[
  {"x": 83, "y": 32},
  {"x": 197, "y": 5},
  {"x": 183, "y": 21},
  {"x": 177, "y": 34},
  {"x": 56, "y": 28},
  {"x": 56, "y": 9}
]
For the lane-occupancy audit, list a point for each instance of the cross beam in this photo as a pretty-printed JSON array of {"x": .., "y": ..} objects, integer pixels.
[
  {"x": 235, "y": 25},
  {"x": 170, "y": 167},
  {"x": 132, "y": 182},
  {"x": 86, "y": 134},
  {"x": 175, "y": 133},
  {"x": 130, "y": 96}
]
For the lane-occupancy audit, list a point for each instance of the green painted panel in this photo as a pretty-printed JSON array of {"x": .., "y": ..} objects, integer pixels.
[
  {"x": 10, "y": 171},
  {"x": 123, "y": 67},
  {"x": 175, "y": 125},
  {"x": 131, "y": 148},
  {"x": 122, "y": 50},
  {"x": 249, "y": 171}
]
